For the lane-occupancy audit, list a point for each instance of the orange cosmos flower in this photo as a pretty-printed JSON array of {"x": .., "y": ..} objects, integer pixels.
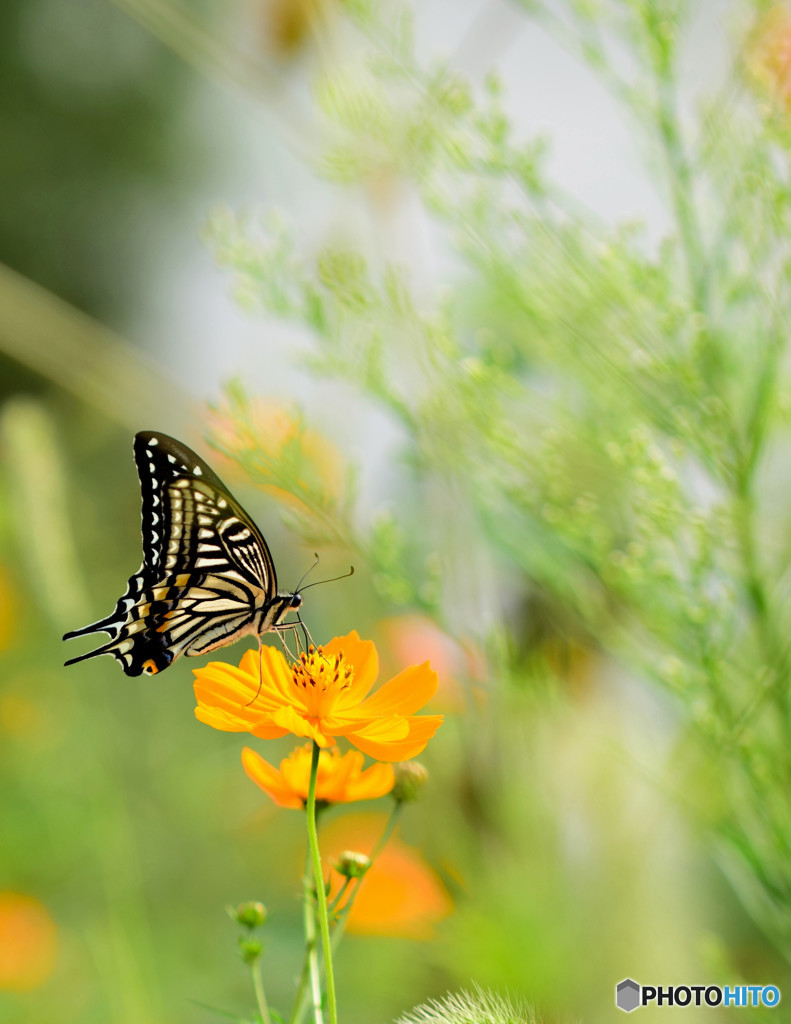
[
  {"x": 28, "y": 942},
  {"x": 412, "y": 637},
  {"x": 282, "y": 455},
  {"x": 400, "y": 894},
  {"x": 340, "y": 779},
  {"x": 321, "y": 696}
]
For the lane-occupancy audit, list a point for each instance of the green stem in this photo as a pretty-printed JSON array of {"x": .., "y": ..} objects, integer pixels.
[
  {"x": 341, "y": 893},
  {"x": 661, "y": 45},
  {"x": 260, "y": 995},
  {"x": 337, "y": 933},
  {"x": 318, "y": 879},
  {"x": 766, "y": 386},
  {"x": 774, "y": 647},
  {"x": 681, "y": 185},
  {"x": 310, "y": 966}
]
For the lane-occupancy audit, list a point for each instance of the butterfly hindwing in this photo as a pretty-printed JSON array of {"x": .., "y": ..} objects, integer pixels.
[{"x": 207, "y": 576}]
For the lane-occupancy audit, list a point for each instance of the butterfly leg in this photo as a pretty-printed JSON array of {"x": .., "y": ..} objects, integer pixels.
[
  {"x": 280, "y": 630},
  {"x": 294, "y": 627},
  {"x": 305, "y": 633},
  {"x": 260, "y": 673}
]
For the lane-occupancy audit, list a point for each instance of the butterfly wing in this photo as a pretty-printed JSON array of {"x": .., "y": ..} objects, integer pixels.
[
  {"x": 191, "y": 520},
  {"x": 207, "y": 575}
]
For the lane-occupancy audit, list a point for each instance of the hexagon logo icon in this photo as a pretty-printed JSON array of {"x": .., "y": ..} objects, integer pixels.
[{"x": 627, "y": 995}]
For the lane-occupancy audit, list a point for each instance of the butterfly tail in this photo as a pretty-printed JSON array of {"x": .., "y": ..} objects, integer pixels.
[
  {"x": 149, "y": 654},
  {"x": 108, "y": 625},
  {"x": 104, "y": 649}
]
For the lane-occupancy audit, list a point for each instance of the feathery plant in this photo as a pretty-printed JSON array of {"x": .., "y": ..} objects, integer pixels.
[
  {"x": 605, "y": 406},
  {"x": 476, "y": 1007}
]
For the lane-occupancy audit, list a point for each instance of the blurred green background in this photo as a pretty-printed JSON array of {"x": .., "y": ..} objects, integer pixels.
[{"x": 553, "y": 445}]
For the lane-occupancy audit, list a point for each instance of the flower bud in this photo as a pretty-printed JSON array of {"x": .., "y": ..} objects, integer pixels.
[
  {"x": 250, "y": 950},
  {"x": 410, "y": 778},
  {"x": 352, "y": 864},
  {"x": 250, "y": 915}
]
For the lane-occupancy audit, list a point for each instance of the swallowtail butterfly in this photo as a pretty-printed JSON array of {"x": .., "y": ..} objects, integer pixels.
[{"x": 207, "y": 576}]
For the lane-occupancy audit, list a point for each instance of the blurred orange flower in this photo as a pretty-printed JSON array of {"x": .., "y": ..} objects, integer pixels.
[
  {"x": 769, "y": 54},
  {"x": 9, "y": 610},
  {"x": 340, "y": 779},
  {"x": 321, "y": 696},
  {"x": 414, "y": 637},
  {"x": 274, "y": 444},
  {"x": 28, "y": 942},
  {"x": 290, "y": 24},
  {"x": 400, "y": 894}
]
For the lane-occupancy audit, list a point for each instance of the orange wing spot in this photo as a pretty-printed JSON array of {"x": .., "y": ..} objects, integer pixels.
[
  {"x": 150, "y": 667},
  {"x": 168, "y": 615}
]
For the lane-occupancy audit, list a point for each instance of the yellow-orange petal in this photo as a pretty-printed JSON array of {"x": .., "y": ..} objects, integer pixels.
[
  {"x": 335, "y": 776},
  {"x": 404, "y": 694},
  {"x": 222, "y": 720},
  {"x": 239, "y": 699},
  {"x": 383, "y": 730},
  {"x": 233, "y": 691},
  {"x": 362, "y": 655},
  {"x": 251, "y": 687},
  {"x": 374, "y": 782},
  {"x": 274, "y": 669},
  {"x": 340, "y": 779},
  {"x": 269, "y": 779},
  {"x": 267, "y": 730},
  {"x": 288, "y": 719},
  {"x": 421, "y": 729}
]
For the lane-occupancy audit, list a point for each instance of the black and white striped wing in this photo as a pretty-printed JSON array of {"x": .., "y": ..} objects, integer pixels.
[{"x": 207, "y": 575}]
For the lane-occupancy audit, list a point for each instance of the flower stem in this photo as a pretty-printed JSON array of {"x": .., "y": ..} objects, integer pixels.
[
  {"x": 342, "y": 892},
  {"x": 318, "y": 879},
  {"x": 260, "y": 995},
  {"x": 310, "y": 966},
  {"x": 337, "y": 933}
]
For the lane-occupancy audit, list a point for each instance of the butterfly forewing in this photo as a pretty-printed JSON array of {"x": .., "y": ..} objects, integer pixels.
[{"x": 207, "y": 576}]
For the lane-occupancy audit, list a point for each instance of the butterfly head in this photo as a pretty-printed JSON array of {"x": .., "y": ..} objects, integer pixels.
[{"x": 272, "y": 615}]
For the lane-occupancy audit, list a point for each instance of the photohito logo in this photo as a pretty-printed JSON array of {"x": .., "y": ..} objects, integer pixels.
[{"x": 629, "y": 994}]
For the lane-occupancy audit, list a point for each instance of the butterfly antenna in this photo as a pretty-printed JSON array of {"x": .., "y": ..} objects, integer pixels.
[
  {"x": 331, "y": 580},
  {"x": 308, "y": 572}
]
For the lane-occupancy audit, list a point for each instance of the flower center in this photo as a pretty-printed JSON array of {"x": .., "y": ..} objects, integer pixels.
[{"x": 319, "y": 678}]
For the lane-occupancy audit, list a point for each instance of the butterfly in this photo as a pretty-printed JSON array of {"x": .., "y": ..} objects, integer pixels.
[{"x": 207, "y": 576}]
